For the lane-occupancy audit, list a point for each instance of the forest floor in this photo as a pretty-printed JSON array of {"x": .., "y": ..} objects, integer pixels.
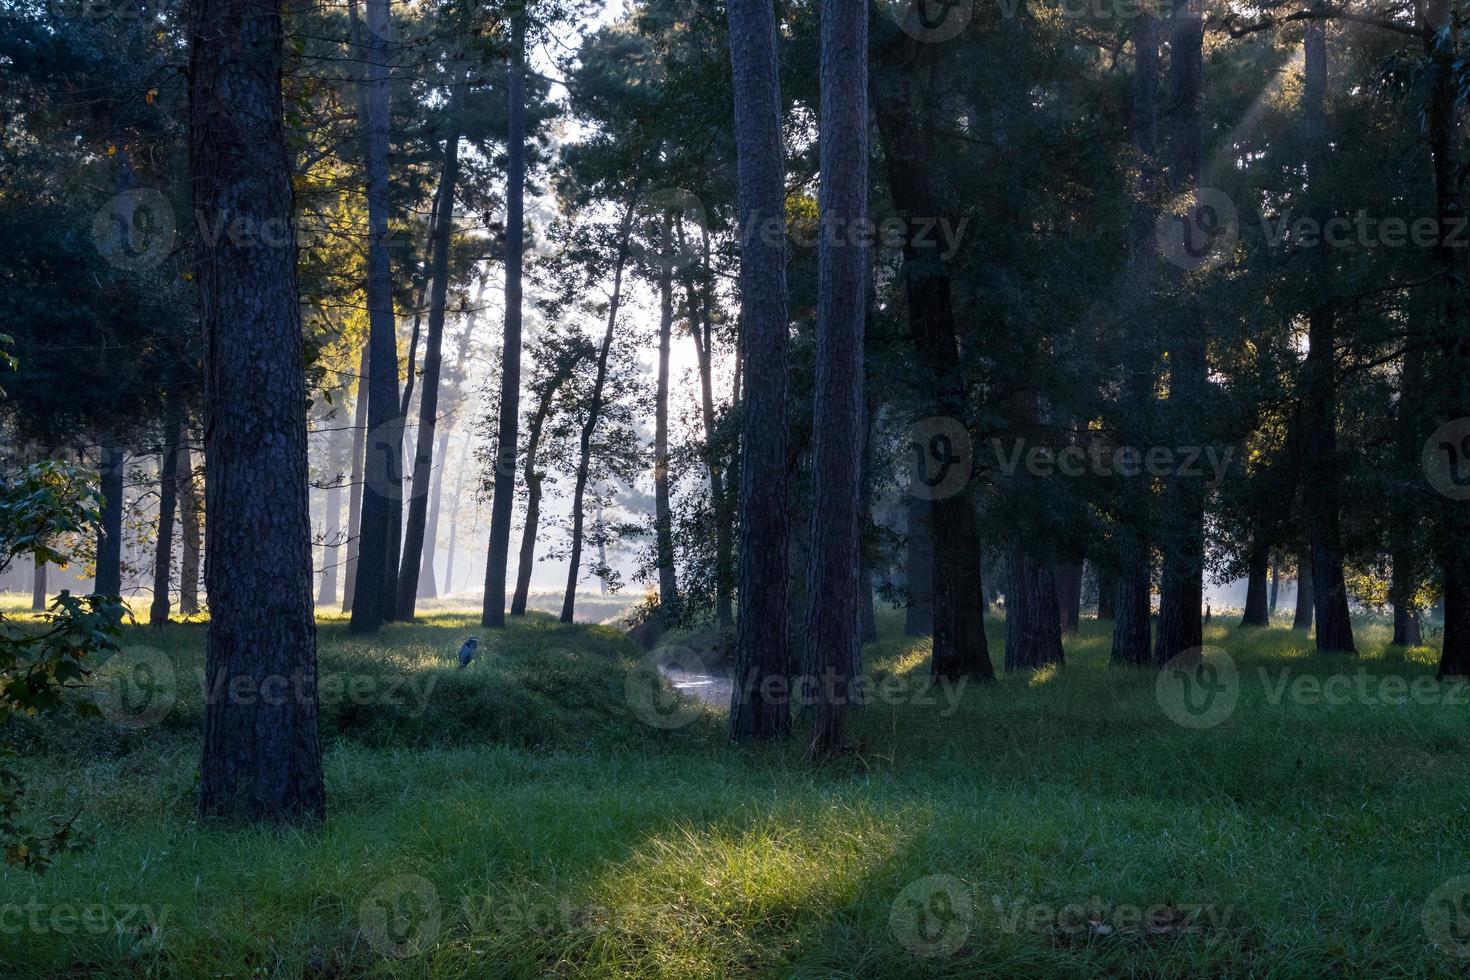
[{"x": 552, "y": 811}]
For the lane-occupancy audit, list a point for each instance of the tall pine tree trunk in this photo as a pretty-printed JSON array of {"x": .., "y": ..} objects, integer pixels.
[
  {"x": 423, "y": 462},
  {"x": 760, "y": 701},
  {"x": 1133, "y": 583},
  {"x": 109, "y": 532},
  {"x": 1302, "y": 619},
  {"x": 663, "y": 520},
  {"x": 354, "y": 498},
  {"x": 1181, "y": 593},
  {"x": 332, "y": 546},
  {"x": 191, "y": 530},
  {"x": 1334, "y": 628},
  {"x": 907, "y": 129},
  {"x": 168, "y": 497},
  {"x": 261, "y": 757},
  {"x": 534, "y": 478},
  {"x": 493, "y": 614},
  {"x": 1033, "y": 620},
  {"x": 382, "y": 487},
  {"x": 839, "y": 417}
]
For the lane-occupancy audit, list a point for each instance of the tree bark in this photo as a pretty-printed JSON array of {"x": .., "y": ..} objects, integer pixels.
[
  {"x": 1257, "y": 611},
  {"x": 423, "y": 462},
  {"x": 38, "y": 587},
  {"x": 918, "y": 617},
  {"x": 1181, "y": 592},
  {"x": 354, "y": 499},
  {"x": 905, "y": 123},
  {"x": 1133, "y": 584},
  {"x": 261, "y": 757},
  {"x": 663, "y": 519},
  {"x": 1302, "y": 620},
  {"x": 594, "y": 415},
  {"x": 109, "y": 532},
  {"x": 760, "y": 702},
  {"x": 839, "y": 438},
  {"x": 1033, "y": 620},
  {"x": 1407, "y": 631},
  {"x": 1068, "y": 578},
  {"x": 382, "y": 490},
  {"x": 168, "y": 497},
  {"x": 493, "y": 614},
  {"x": 1334, "y": 627}
]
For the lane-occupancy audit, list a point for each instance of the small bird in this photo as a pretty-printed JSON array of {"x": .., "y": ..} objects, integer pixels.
[{"x": 467, "y": 652}]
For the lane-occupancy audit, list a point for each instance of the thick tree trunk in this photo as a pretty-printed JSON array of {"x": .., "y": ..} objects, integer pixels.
[
  {"x": 423, "y": 462},
  {"x": 109, "y": 532},
  {"x": 663, "y": 516},
  {"x": 1302, "y": 620},
  {"x": 354, "y": 498},
  {"x": 261, "y": 758},
  {"x": 1033, "y": 620},
  {"x": 38, "y": 587},
  {"x": 918, "y": 617},
  {"x": 1068, "y": 577},
  {"x": 382, "y": 490},
  {"x": 1452, "y": 401},
  {"x": 508, "y": 435},
  {"x": 1257, "y": 611},
  {"x": 1181, "y": 592},
  {"x": 760, "y": 702},
  {"x": 191, "y": 529},
  {"x": 594, "y": 416},
  {"x": 168, "y": 497},
  {"x": 905, "y": 124},
  {"x": 839, "y": 417},
  {"x": 1133, "y": 583},
  {"x": 1407, "y": 631},
  {"x": 1334, "y": 628}
]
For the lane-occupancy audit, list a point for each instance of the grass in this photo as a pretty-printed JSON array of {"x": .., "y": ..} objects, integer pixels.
[{"x": 526, "y": 821}]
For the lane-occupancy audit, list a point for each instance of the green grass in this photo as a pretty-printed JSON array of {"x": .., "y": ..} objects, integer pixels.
[{"x": 561, "y": 835}]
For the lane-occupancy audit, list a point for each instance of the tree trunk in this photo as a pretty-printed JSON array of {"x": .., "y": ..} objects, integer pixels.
[
  {"x": 760, "y": 702},
  {"x": 109, "y": 532},
  {"x": 1107, "y": 591},
  {"x": 1033, "y": 620},
  {"x": 594, "y": 415},
  {"x": 493, "y": 614},
  {"x": 332, "y": 544},
  {"x": 1068, "y": 577},
  {"x": 382, "y": 490},
  {"x": 261, "y": 758},
  {"x": 1402, "y": 588},
  {"x": 354, "y": 499},
  {"x": 192, "y": 531},
  {"x": 1133, "y": 584},
  {"x": 428, "y": 588},
  {"x": 1442, "y": 127},
  {"x": 839, "y": 417},
  {"x": 38, "y": 587},
  {"x": 960, "y": 648},
  {"x": 1275, "y": 586},
  {"x": 1334, "y": 628},
  {"x": 663, "y": 520},
  {"x": 423, "y": 462},
  {"x": 1303, "y": 618},
  {"x": 168, "y": 497},
  {"x": 701, "y": 328},
  {"x": 918, "y": 617},
  {"x": 1181, "y": 592},
  {"x": 534, "y": 478},
  {"x": 464, "y": 463},
  {"x": 1257, "y": 612}
]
